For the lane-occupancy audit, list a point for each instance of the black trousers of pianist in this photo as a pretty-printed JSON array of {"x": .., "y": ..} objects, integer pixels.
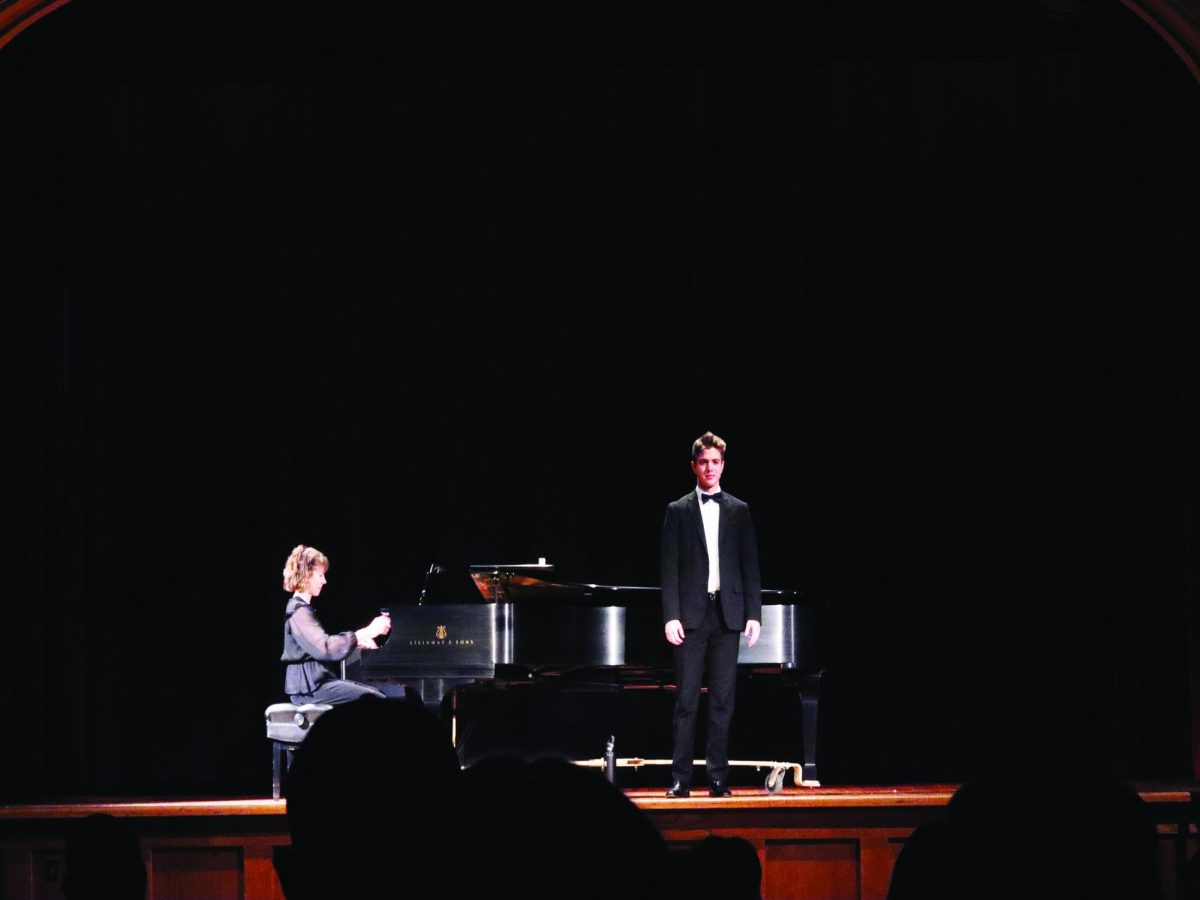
[
  {"x": 335, "y": 691},
  {"x": 712, "y": 647}
]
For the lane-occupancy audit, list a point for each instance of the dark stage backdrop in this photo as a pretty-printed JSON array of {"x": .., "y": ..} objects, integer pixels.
[{"x": 460, "y": 283}]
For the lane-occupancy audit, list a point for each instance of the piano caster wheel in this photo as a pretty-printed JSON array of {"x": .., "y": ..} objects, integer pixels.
[{"x": 774, "y": 782}]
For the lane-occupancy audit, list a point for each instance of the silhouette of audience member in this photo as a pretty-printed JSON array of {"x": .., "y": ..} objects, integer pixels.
[
  {"x": 1189, "y": 884},
  {"x": 913, "y": 870},
  {"x": 718, "y": 868},
  {"x": 374, "y": 800},
  {"x": 548, "y": 828},
  {"x": 103, "y": 861},
  {"x": 1061, "y": 835}
]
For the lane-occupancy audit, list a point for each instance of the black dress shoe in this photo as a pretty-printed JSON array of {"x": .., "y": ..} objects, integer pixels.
[
  {"x": 719, "y": 789},
  {"x": 678, "y": 790}
]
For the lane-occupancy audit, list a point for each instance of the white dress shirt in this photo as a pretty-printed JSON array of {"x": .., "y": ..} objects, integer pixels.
[{"x": 711, "y": 514}]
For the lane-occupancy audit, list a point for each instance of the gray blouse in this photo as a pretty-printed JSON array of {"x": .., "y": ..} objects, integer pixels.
[{"x": 308, "y": 649}]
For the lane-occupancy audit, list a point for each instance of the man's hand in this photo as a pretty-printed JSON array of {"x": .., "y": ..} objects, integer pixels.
[
  {"x": 753, "y": 629},
  {"x": 674, "y": 632}
]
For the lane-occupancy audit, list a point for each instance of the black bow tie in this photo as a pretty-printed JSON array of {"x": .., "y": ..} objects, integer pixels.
[{"x": 716, "y": 498}]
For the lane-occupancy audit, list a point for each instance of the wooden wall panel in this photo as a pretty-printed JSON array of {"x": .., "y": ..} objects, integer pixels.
[
  {"x": 837, "y": 845},
  {"x": 185, "y": 873},
  {"x": 809, "y": 869},
  {"x": 46, "y": 875}
]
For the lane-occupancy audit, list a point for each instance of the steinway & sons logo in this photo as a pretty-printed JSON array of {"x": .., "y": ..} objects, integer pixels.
[{"x": 441, "y": 639}]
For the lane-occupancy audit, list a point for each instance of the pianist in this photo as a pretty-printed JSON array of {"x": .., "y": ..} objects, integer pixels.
[{"x": 308, "y": 650}]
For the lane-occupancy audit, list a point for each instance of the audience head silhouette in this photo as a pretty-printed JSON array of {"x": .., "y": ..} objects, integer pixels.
[
  {"x": 548, "y": 828},
  {"x": 719, "y": 868},
  {"x": 103, "y": 861},
  {"x": 1052, "y": 834},
  {"x": 1189, "y": 883},
  {"x": 916, "y": 862},
  {"x": 374, "y": 793}
]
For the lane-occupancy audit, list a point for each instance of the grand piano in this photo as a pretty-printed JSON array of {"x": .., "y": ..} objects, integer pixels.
[{"x": 533, "y": 664}]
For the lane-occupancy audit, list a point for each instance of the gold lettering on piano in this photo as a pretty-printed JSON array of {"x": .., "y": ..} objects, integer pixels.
[{"x": 441, "y": 633}]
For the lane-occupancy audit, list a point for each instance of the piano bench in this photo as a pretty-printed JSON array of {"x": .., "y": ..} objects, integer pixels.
[{"x": 288, "y": 725}]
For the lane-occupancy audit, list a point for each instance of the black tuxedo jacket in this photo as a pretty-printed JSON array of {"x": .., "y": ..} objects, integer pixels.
[{"x": 685, "y": 563}]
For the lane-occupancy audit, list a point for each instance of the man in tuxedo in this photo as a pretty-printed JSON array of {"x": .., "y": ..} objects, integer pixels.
[{"x": 711, "y": 593}]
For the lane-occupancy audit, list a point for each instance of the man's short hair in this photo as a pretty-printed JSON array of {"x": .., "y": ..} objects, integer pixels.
[{"x": 706, "y": 440}]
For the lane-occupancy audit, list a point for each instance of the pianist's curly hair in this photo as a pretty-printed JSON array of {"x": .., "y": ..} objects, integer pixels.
[
  {"x": 299, "y": 566},
  {"x": 706, "y": 440}
]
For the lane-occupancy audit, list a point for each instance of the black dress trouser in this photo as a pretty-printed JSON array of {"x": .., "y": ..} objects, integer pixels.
[{"x": 712, "y": 647}]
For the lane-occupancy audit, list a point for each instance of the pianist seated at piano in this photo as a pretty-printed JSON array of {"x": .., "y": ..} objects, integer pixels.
[{"x": 308, "y": 650}]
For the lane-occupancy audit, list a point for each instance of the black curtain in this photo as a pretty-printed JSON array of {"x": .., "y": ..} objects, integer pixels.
[{"x": 460, "y": 285}]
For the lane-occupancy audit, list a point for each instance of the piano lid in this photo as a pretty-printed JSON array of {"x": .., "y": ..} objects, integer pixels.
[
  {"x": 495, "y": 582},
  {"x": 522, "y": 583}
]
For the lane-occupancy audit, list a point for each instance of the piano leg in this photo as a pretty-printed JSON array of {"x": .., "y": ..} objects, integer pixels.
[
  {"x": 277, "y": 752},
  {"x": 810, "y": 696}
]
